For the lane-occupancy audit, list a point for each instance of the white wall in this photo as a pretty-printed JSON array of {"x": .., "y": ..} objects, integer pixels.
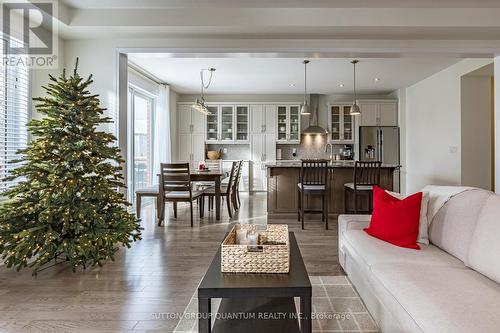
[
  {"x": 173, "y": 122},
  {"x": 476, "y": 131},
  {"x": 433, "y": 127},
  {"x": 40, "y": 77},
  {"x": 400, "y": 95},
  {"x": 497, "y": 123}
]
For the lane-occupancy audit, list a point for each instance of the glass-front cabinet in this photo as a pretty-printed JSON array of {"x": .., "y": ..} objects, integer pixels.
[
  {"x": 348, "y": 125},
  {"x": 242, "y": 123},
  {"x": 282, "y": 123},
  {"x": 288, "y": 124},
  {"x": 227, "y": 124},
  {"x": 335, "y": 123},
  {"x": 212, "y": 124},
  {"x": 294, "y": 123},
  {"x": 341, "y": 124}
]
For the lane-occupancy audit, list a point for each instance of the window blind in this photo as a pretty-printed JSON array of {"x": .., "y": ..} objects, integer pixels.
[{"x": 14, "y": 114}]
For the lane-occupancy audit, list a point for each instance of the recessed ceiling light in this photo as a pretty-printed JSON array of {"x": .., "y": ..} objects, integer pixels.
[
  {"x": 292, "y": 85},
  {"x": 341, "y": 85},
  {"x": 377, "y": 79}
]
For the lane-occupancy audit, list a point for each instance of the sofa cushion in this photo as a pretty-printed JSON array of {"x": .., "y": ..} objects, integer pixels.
[
  {"x": 395, "y": 220},
  {"x": 371, "y": 251},
  {"x": 439, "y": 299},
  {"x": 484, "y": 249},
  {"x": 423, "y": 225},
  {"x": 453, "y": 225}
]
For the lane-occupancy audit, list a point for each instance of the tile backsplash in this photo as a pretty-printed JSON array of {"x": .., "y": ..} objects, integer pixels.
[
  {"x": 308, "y": 151},
  {"x": 232, "y": 152}
]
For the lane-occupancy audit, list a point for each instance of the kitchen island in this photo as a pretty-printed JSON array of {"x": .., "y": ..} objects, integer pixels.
[{"x": 282, "y": 194}]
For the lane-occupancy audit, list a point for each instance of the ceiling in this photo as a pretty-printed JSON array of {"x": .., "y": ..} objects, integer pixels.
[
  {"x": 286, "y": 75},
  {"x": 281, "y": 3}
]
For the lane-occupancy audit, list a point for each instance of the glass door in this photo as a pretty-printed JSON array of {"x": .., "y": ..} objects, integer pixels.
[
  {"x": 282, "y": 123},
  {"x": 335, "y": 123},
  {"x": 142, "y": 116},
  {"x": 212, "y": 128},
  {"x": 227, "y": 113},
  {"x": 294, "y": 123},
  {"x": 348, "y": 123},
  {"x": 242, "y": 123}
]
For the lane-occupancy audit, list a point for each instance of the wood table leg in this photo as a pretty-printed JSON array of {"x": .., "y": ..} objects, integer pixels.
[
  {"x": 205, "y": 314},
  {"x": 160, "y": 209},
  {"x": 138, "y": 204},
  {"x": 305, "y": 314},
  {"x": 217, "y": 198}
]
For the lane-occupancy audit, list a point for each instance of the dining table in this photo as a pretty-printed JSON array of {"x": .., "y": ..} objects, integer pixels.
[{"x": 215, "y": 176}]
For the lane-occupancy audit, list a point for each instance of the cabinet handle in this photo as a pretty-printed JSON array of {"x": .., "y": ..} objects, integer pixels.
[{"x": 264, "y": 126}]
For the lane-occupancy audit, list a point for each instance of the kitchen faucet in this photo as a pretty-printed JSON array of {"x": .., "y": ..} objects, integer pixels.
[{"x": 331, "y": 150}]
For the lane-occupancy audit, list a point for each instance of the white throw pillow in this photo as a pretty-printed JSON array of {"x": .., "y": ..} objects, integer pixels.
[{"x": 423, "y": 225}]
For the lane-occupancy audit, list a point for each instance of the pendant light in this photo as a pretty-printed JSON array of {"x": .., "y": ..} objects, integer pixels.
[
  {"x": 304, "y": 109},
  {"x": 199, "y": 103},
  {"x": 355, "y": 110}
]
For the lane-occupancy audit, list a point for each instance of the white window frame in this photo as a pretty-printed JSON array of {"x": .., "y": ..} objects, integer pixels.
[
  {"x": 132, "y": 90},
  {"x": 16, "y": 103}
]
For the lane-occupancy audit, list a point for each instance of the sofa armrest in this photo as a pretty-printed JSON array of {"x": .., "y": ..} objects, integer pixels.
[
  {"x": 349, "y": 222},
  {"x": 353, "y": 222}
]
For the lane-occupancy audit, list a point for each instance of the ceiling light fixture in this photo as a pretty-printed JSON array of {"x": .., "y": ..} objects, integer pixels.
[
  {"x": 377, "y": 79},
  {"x": 304, "y": 109},
  {"x": 199, "y": 103},
  {"x": 355, "y": 110},
  {"x": 341, "y": 85}
]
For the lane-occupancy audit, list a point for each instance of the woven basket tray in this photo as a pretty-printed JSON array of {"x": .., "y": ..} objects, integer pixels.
[{"x": 264, "y": 259}]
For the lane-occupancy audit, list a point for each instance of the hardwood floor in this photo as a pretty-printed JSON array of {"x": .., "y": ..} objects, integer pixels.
[{"x": 148, "y": 284}]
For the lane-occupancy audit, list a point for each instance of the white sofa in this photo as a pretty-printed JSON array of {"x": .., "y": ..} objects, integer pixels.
[{"x": 450, "y": 285}]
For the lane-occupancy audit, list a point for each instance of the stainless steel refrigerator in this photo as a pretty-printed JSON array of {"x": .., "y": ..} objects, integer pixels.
[{"x": 380, "y": 143}]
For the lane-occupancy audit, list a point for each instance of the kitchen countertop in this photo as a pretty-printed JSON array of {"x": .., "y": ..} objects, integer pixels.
[{"x": 331, "y": 164}]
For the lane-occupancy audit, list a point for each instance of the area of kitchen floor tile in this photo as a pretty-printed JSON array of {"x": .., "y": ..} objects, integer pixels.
[{"x": 336, "y": 308}]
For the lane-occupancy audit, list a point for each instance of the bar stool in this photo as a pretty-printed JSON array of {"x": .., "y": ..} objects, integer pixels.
[
  {"x": 366, "y": 175},
  {"x": 313, "y": 181}
]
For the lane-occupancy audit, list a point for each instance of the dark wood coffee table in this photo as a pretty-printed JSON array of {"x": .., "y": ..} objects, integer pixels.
[{"x": 256, "y": 292}]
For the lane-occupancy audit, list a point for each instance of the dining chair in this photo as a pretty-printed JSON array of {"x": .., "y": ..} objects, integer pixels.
[
  {"x": 366, "y": 176},
  {"x": 313, "y": 180},
  {"x": 212, "y": 165},
  {"x": 175, "y": 186},
  {"x": 236, "y": 187},
  {"x": 226, "y": 190}
]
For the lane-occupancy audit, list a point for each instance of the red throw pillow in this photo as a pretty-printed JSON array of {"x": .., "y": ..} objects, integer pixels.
[{"x": 395, "y": 221}]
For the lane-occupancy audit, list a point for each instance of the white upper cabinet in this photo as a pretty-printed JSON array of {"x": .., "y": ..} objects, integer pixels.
[
  {"x": 212, "y": 130},
  {"x": 258, "y": 118},
  {"x": 388, "y": 114},
  {"x": 341, "y": 124},
  {"x": 227, "y": 124},
  {"x": 288, "y": 124},
  {"x": 378, "y": 113},
  {"x": 198, "y": 121},
  {"x": 270, "y": 118},
  {"x": 262, "y": 118},
  {"x": 368, "y": 115},
  {"x": 189, "y": 120},
  {"x": 242, "y": 123}
]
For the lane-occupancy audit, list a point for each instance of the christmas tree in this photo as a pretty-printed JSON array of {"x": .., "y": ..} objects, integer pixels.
[{"x": 67, "y": 202}]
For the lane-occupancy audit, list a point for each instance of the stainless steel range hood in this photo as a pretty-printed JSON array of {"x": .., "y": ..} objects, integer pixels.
[{"x": 314, "y": 128}]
